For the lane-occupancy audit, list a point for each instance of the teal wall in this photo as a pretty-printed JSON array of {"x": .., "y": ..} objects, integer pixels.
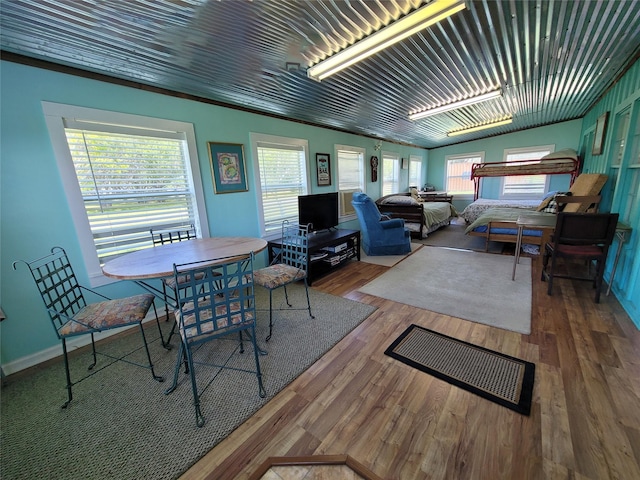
[
  {"x": 563, "y": 135},
  {"x": 620, "y": 194},
  {"x": 34, "y": 212}
]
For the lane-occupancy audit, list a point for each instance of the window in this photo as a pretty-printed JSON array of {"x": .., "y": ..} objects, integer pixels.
[
  {"x": 123, "y": 175},
  {"x": 458, "y": 181},
  {"x": 525, "y": 186},
  {"x": 350, "y": 176},
  {"x": 415, "y": 171},
  {"x": 390, "y": 173},
  {"x": 622, "y": 127},
  {"x": 281, "y": 173}
]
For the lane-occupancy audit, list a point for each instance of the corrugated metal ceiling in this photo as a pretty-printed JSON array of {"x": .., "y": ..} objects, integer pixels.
[{"x": 552, "y": 59}]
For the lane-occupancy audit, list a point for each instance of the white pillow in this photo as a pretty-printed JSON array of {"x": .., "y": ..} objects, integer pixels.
[
  {"x": 561, "y": 154},
  {"x": 399, "y": 200}
]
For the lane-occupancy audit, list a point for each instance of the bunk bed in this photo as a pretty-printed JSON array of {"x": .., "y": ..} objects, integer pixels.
[
  {"x": 561, "y": 162},
  {"x": 498, "y": 223}
]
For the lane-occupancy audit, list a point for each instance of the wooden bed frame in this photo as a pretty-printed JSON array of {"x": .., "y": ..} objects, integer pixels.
[
  {"x": 410, "y": 214},
  {"x": 511, "y": 238}
]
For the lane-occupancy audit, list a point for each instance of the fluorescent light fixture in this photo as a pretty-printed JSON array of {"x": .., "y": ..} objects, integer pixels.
[
  {"x": 506, "y": 121},
  {"x": 453, "y": 106},
  {"x": 434, "y": 12}
]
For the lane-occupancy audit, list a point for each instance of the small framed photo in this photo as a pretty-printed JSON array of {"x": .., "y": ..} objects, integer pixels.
[
  {"x": 323, "y": 164},
  {"x": 404, "y": 164},
  {"x": 601, "y": 130},
  {"x": 228, "y": 167}
]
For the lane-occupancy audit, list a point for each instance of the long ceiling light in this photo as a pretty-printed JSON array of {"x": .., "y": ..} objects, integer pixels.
[
  {"x": 455, "y": 105},
  {"x": 434, "y": 12},
  {"x": 476, "y": 128}
]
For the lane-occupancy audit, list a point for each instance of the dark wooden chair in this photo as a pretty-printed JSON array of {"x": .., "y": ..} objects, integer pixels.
[{"x": 582, "y": 236}]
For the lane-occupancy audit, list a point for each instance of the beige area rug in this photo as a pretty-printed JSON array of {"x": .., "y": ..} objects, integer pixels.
[
  {"x": 387, "y": 260},
  {"x": 469, "y": 285}
]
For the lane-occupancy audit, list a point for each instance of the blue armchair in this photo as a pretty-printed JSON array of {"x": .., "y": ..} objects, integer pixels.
[{"x": 380, "y": 236}]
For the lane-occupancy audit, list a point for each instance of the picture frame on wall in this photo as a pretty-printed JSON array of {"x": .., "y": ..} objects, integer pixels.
[
  {"x": 323, "y": 166},
  {"x": 598, "y": 137},
  {"x": 228, "y": 167}
]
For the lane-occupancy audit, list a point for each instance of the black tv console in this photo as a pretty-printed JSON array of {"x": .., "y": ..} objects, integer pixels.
[{"x": 327, "y": 250}]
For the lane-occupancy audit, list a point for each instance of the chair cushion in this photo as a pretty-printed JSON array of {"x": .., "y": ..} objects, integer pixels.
[
  {"x": 208, "y": 324},
  {"x": 182, "y": 280},
  {"x": 277, "y": 275},
  {"x": 108, "y": 314},
  {"x": 579, "y": 250}
]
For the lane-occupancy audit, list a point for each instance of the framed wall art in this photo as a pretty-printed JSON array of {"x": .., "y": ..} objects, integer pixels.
[
  {"x": 323, "y": 164},
  {"x": 228, "y": 167},
  {"x": 598, "y": 137}
]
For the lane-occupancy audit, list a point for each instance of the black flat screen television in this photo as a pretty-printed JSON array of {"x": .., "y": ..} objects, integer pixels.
[{"x": 321, "y": 210}]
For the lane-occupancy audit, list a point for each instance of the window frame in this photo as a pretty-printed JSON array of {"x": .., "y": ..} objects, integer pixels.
[
  {"x": 416, "y": 160},
  {"x": 395, "y": 158},
  {"x": 362, "y": 184},
  {"x": 55, "y": 115},
  {"x": 521, "y": 150},
  {"x": 463, "y": 156},
  {"x": 275, "y": 140}
]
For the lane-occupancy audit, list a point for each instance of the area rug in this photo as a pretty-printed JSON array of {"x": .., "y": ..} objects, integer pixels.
[
  {"x": 386, "y": 260},
  {"x": 505, "y": 380},
  {"x": 469, "y": 285},
  {"x": 453, "y": 236},
  {"x": 121, "y": 425}
]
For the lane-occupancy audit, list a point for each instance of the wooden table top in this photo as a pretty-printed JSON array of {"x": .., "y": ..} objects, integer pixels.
[{"x": 157, "y": 262}]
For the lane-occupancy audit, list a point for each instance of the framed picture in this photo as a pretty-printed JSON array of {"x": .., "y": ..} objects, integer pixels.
[
  {"x": 598, "y": 138},
  {"x": 404, "y": 164},
  {"x": 323, "y": 164},
  {"x": 228, "y": 167}
]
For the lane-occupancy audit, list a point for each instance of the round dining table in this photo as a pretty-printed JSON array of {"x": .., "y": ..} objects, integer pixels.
[{"x": 158, "y": 261}]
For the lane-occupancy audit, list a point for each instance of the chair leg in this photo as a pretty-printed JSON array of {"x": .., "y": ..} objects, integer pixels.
[
  {"x": 146, "y": 347},
  {"x": 550, "y": 274},
  {"x": 166, "y": 344},
  {"x": 194, "y": 387},
  {"x": 599, "y": 275},
  {"x": 95, "y": 356},
  {"x": 166, "y": 303},
  {"x": 270, "y": 315},
  {"x": 306, "y": 289},
  {"x": 261, "y": 390},
  {"x": 176, "y": 370},
  {"x": 68, "y": 374}
]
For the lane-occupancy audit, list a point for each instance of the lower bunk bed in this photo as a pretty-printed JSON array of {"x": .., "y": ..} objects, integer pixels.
[{"x": 420, "y": 217}]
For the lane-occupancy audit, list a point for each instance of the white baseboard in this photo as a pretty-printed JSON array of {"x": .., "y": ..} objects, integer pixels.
[{"x": 34, "y": 359}]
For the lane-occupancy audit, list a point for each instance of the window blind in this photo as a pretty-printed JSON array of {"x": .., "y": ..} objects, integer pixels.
[
  {"x": 131, "y": 183},
  {"x": 350, "y": 177},
  {"x": 283, "y": 177},
  {"x": 525, "y": 185}
]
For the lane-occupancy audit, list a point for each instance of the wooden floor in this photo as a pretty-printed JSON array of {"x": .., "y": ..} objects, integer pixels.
[{"x": 404, "y": 424}]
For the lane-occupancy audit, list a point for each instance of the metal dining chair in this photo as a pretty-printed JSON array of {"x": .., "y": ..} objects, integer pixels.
[
  {"x": 218, "y": 301},
  {"x": 169, "y": 285},
  {"x": 71, "y": 315},
  {"x": 290, "y": 265}
]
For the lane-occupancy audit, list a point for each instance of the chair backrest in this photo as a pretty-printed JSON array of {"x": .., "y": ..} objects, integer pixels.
[
  {"x": 367, "y": 211},
  {"x": 219, "y": 298},
  {"x": 295, "y": 245},
  {"x": 160, "y": 237},
  {"x": 587, "y": 203},
  {"x": 585, "y": 228},
  {"x": 57, "y": 284}
]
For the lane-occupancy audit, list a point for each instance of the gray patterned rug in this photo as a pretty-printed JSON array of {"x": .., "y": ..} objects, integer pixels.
[
  {"x": 120, "y": 425},
  {"x": 506, "y": 380}
]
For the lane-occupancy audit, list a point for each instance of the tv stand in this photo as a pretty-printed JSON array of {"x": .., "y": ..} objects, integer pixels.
[{"x": 340, "y": 246}]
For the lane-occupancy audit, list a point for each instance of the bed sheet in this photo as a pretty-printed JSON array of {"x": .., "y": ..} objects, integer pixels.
[
  {"x": 499, "y": 214},
  {"x": 475, "y": 209}
]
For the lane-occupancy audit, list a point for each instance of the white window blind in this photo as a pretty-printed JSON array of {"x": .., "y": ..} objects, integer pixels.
[
  {"x": 525, "y": 186},
  {"x": 283, "y": 177},
  {"x": 131, "y": 181},
  {"x": 390, "y": 174},
  {"x": 458, "y": 181},
  {"x": 415, "y": 172},
  {"x": 350, "y": 176}
]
